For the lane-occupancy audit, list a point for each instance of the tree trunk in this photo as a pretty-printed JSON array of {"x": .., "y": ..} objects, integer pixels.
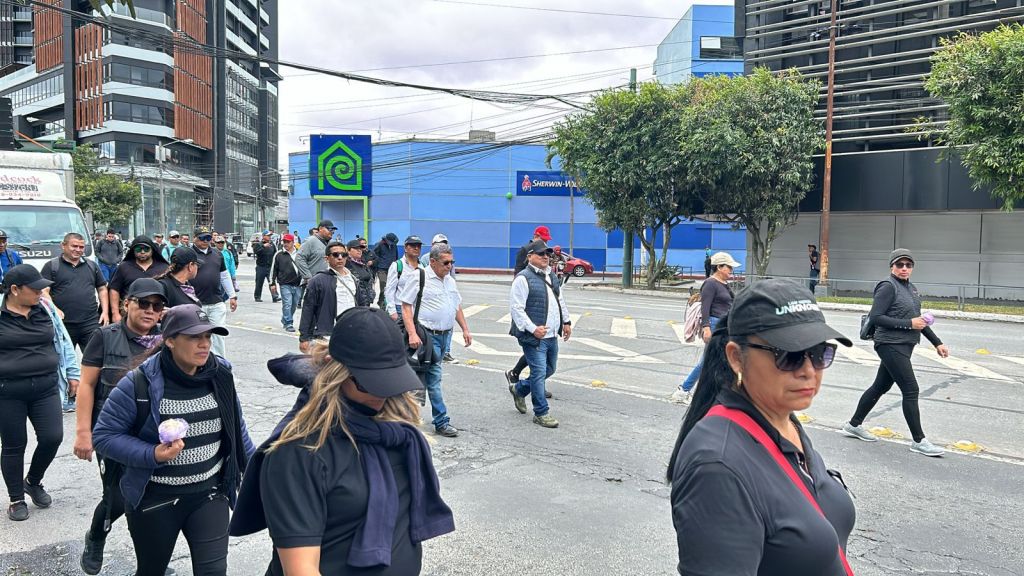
[
  {"x": 648, "y": 245},
  {"x": 757, "y": 253},
  {"x": 667, "y": 227}
]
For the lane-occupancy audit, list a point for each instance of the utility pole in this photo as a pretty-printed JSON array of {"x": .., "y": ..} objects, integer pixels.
[
  {"x": 627, "y": 235},
  {"x": 163, "y": 196},
  {"x": 826, "y": 198}
]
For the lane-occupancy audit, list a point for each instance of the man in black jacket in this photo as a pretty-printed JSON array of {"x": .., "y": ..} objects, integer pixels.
[
  {"x": 386, "y": 253},
  {"x": 539, "y": 233},
  {"x": 264, "y": 254},
  {"x": 329, "y": 293},
  {"x": 359, "y": 268},
  {"x": 284, "y": 274}
]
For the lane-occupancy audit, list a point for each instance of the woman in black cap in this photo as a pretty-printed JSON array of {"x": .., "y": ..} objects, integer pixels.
[
  {"x": 176, "y": 280},
  {"x": 750, "y": 495},
  {"x": 897, "y": 323},
  {"x": 105, "y": 361},
  {"x": 176, "y": 425},
  {"x": 349, "y": 486},
  {"x": 29, "y": 366}
]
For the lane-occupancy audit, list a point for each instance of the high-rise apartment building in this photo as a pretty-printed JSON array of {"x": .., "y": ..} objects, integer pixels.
[{"x": 171, "y": 97}]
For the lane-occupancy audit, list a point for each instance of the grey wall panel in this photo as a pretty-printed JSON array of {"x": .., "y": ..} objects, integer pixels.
[
  {"x": 881, "y": 181},
  {"x": 863, "y": 232},
  {"x": 944, "y": 233},
  {"x": 1002, "y": 233}
]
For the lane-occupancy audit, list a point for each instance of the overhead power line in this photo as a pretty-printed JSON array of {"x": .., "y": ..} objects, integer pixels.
[{"x": 566, "y": 11}]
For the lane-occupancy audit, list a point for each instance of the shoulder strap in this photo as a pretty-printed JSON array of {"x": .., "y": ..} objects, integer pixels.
[
  {"x": 419, "y": 296},
  {"x": 54, "y": 263},
  {"x": 399, "y": 267},
  {"x": 142, "y": 406},
  {"x": 747, "y": 423}
]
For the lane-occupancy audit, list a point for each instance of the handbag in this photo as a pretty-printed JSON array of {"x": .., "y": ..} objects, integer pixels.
[
  {"x": 867, "y": 328},
  {"x": 747, "y": 423},
  {"x": 422, "y": 358}
]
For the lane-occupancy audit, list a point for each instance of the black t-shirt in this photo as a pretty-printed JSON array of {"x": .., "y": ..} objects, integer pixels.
[
  {"x": 814, "y": 259},
  {"x": 320, "y": 499},
  {"x": 207, "y": 281},
  {"x": 74, "y": 290},
  {"x": 129, "y": 271},
  {"x": 26, "y": 344}
]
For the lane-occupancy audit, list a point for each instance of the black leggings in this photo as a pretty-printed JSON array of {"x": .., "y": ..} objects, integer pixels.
[
  {"x": 111, "y": 506},
  {"x": 520, "y": 366},
  {"x": 34, "y": 399},
  {"x": 896, "y": 367},
  {"x": 202, "y": 518}
]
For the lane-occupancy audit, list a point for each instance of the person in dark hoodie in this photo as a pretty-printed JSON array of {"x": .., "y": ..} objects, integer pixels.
[
  {"x": 346, "y": 484},
  {"x": 167, "y": 489},
  {"x": 144, "y": 260},
  {"x": 177, "y": 279},
  {"x": 329, "y": 293},
  {"x": 385, "y": 253}
]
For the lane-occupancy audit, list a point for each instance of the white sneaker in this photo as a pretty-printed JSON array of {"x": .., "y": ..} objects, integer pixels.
[
  {"x": 927, "y": 448},
  {"x": 858, "y": 433},
  {"x": 681, "y": 397}
]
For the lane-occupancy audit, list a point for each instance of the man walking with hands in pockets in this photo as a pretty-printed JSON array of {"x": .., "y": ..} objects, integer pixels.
[{"x": 539, "y": 317}]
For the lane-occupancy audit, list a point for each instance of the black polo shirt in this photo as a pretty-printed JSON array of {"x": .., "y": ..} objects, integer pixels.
[
  {"x": 74, "y": 289},
  {"x": 26, "y": 343},
  {"x": 129, "y": 271},
  {"x": 207, "y": 280},
  {"x": 736, "y": 512}
]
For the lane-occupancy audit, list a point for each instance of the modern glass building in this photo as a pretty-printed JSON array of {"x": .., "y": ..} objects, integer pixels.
[
  {"x": 702, "y": 43},
  {"x": 487, "y": 198}
]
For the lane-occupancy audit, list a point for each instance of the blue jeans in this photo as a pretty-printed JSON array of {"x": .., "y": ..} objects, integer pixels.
[
  {"x": 691, "y": 380},
  {"x": 108, "y": 270},
  {"x": 442, "y": 343},
  {"x": 289, "y": 298},
  {"x": 542, "y": 360}
]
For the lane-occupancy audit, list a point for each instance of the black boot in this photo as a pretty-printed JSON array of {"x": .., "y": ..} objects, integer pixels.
[{"x": 92, "y": 555}]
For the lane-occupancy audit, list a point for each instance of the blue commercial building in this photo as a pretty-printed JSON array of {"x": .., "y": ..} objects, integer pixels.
[
  {"x": 702, "y": 43},
  {"x": 486, "y": 197}
]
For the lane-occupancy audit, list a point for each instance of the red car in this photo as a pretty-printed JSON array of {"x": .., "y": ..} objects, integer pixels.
[{"x": 578, "y": 267}]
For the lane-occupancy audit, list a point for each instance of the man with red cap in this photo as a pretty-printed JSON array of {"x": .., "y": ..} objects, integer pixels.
[
  {"x": 285, "y": 276},
  {"x": 539, "y": 233}
]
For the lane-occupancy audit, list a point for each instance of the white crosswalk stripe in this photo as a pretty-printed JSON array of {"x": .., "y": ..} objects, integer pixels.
[
  {"x": 859, "y": 355},
  {"x": 680, "y": 330},
  {"x": 506, "y": 319},
  {"x": 623, "y": 327},
  {"x": 474, "y": 310},
  {"x": 960, "y": 365},
  {"x": 1014, "y": 359}
]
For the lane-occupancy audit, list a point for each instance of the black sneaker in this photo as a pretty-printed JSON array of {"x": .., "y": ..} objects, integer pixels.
[
  {"x": 18, "y": 511},
  {"x": 512, "y": 377},
  {"x": 448, "y": 431},
  {"x": 92, "y": 555},
  {"x": 449, "y": 358},
  {"x": 257, "y": 300},
  {"x": 38, "y": 495},
  {"x": 276, "y": 300},
  {"x": 547, "y": 393}
]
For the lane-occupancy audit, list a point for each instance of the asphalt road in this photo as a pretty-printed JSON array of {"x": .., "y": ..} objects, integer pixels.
[{"x": 590, "y": 497}]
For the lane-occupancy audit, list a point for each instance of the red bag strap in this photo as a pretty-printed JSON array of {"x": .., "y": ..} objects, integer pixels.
[{"x": 744, "y": 421}]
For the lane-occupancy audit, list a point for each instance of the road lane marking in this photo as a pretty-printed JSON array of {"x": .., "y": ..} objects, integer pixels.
[
  {"x": 481, "y": 348},
  {"x": 859, "y": 355},
  {"x": 962, "y": 366},
  {"x": 474, "y": 309},
  {"x": 1014, "y": 359},
  {"x": 623, "y": 327},
  {"x": 506, "y": 319},
  {"x": 680, "y": 330},
  {"x": 622, "y": 352}
]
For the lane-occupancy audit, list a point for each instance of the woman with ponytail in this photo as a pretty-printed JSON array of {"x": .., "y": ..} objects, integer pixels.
[{"x": 750, "y": 495}]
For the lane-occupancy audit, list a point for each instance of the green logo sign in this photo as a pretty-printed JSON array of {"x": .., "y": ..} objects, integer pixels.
[{"x": 339, "y": 164}]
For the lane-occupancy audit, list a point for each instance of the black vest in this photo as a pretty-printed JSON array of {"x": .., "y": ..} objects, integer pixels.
[
  {"x": 537, "y": 303},
  {"x": 116, "y": 361},
  {"x": 906, "y": 305}
]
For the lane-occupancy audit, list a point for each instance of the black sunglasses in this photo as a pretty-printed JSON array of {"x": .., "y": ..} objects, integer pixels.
[
  {"x": 904, "y": 264},
  {"x": 205, "y": 237},
  {"x": 147, "y": 304},
  {"x": 448, "y": 262},
  {"x": 338, "y": 255},
  {"x": 140, "y": 249},
  {"x": 821, "y": 356}
]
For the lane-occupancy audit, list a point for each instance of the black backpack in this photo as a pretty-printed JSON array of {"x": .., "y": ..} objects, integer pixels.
[
  {"x": 422, "y": 358},
  {"x": 111, "y": 470}
]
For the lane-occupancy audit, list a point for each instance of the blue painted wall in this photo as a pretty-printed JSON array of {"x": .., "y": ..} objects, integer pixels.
[
  {"x": 679, "y": 53},
  {"x": 459, "y": 189}
]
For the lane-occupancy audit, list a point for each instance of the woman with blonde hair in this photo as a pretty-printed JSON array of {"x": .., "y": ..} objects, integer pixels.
[{"x": 346, "y": 484}]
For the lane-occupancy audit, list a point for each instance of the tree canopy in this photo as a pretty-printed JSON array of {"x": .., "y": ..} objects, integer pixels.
[
  {"x": 109, "y": 198},
  {"x": 980, "y": 78}
]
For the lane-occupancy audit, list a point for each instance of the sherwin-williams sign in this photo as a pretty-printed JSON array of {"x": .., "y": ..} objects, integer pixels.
[
  {"x": 340, "y": 166},
  {"x": 545, "y": 183}
]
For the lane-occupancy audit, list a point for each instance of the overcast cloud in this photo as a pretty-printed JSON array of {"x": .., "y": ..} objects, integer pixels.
[{"x": 355, "y": 35}]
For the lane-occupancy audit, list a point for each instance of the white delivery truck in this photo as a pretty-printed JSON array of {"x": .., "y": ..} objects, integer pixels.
[{"x": 37, "y": 204}]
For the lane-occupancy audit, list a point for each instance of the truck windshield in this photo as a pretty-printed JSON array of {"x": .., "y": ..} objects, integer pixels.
[{"x": 28, "y": 226}]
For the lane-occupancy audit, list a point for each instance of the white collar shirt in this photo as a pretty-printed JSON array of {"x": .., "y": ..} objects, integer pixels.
[
  {"x": 441, "y": 299},
  {"x": 346, "y": 292},
  {"x": 395, "y": 283},
  {"x": 557, "y": 310}
]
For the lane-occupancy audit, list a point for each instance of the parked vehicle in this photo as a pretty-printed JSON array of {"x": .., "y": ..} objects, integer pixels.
[{"x": 578, "y": 267}]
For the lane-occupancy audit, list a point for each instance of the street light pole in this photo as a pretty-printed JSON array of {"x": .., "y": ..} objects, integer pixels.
[{"x": 826, "y": 199}]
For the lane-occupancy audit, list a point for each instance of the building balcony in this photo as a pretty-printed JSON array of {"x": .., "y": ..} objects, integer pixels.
[
  {"x": 23, "y": 40},
  {"x": 22, "y": 15}
]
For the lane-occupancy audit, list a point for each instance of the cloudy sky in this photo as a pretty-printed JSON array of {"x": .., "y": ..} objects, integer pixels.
[{"x": 430, "y": 42}]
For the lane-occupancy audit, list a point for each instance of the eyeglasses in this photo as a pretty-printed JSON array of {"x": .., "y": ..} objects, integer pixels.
[
  {"x": 904, "y": 264},
  {"x": 205, "y": 237},
  {"x": 821, "y": 356},
  {"x": 447, "y": 262},
  {"x": 338, "y": 255},
  {"x": 141, "y": 249},
  {"x": 147, "y": 304},
  {"x": 175, "y": 236}
]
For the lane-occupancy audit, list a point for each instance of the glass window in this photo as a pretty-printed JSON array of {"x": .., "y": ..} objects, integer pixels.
[{"x": 720, "y": 48}]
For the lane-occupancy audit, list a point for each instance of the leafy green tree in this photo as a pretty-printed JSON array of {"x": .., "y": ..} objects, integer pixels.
[
  {"x": 979, "y": 78},
  {"x": 748, "y": 143},
  {"x": 109, "y": 198},
  {"x": 624, "y": 154}
]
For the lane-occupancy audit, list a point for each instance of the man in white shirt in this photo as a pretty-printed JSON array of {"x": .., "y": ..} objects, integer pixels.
[
  {"x": 399, "y": 274},
  {"x": 539, "y": 317},
  {"x": 329, "y": 293},
  {"x": 439, "y": 310}
]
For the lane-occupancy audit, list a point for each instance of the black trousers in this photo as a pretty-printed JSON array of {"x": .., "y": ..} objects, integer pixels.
[
  {"x": 81, "y": 332},
  {"x": 202, "y": 518},
  {"x": 520, "y": 366},
  {"x": 111, "y": 507},
  {"x": 382, "y": 280},
  {"x": 36, "y": 400},
  {"x": 895, "y": 368},
  {"x": 262, "y": 275}
]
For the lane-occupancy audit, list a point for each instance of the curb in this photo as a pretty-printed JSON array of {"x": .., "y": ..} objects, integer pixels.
[{"x": 951, "y": 314}]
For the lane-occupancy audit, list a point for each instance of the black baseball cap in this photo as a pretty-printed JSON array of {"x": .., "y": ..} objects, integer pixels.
[
  {"x": 368, "y": 342},
  {"x": 357, "y": 243},
  {"x": 25, "y": 275},
  {"x": 183, "y": 256},
  {"x": 327, "y": 224},
  {"x": 784, "y": 314},
  {"x": 413, "y": 240},
  {"x": 539, "y": 247},
  {"x": 898, "y": 254},
  {"x": 189, "y": 319},
  {"x": 202, "y": 231},
  {"x": 146, "y": 287}
]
